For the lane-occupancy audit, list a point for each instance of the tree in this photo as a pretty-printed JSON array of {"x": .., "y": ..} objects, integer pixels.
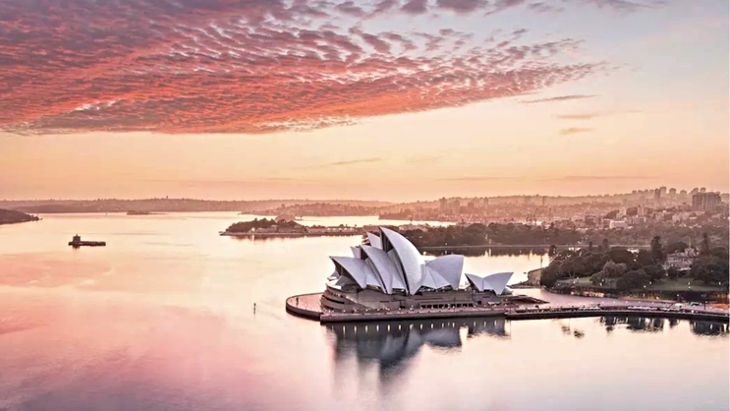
[
  {"x": 597, "y": 278},
  {"x": 710, "y": 269},
  {"x": 553, "y": 250},
  {"x": 621, "y": 255},
  {"x": 574, "y": 267},
  {"x": 644, "y": 258},
  {"x": 632, "y": 279},
  {"x": 705, "y": 246},
  {"x": 613, "y": 270},
  {"x": 677, "y": 246},
  {"x": 550, "y": 275},
  {"x": 655, "y": 271},
  {"x": 657, "y": 254},
  {"x": 673, "y": 273}
]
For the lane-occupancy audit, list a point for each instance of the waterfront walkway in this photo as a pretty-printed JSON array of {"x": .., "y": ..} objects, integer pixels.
[
  {"x": 308, "y": 306},
  {"x": 519, "y": 247}
]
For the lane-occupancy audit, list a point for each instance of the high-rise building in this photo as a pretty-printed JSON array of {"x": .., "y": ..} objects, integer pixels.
[
  {"x": 706, "y": 201},
  {"x": 662, "y": 191},
  {"x": 443, "y": 204}
]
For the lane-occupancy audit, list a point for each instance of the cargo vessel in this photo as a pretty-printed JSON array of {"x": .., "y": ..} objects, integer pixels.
[{"x": 77, "y": 242}]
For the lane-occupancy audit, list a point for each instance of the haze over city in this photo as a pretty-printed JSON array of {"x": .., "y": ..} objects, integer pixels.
[{"x": 388, "y": 100}]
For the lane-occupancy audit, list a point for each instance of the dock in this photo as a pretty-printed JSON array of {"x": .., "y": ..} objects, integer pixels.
[{"x": 308, "y": 306}]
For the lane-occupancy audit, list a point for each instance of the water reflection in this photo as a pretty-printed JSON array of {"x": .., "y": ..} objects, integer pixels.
[
  {"x": 708, "y": 328},
  {"x": 643, "y": 324},
  {"x": 486, "y": 251},
  {"x": 391, "y": 344}
]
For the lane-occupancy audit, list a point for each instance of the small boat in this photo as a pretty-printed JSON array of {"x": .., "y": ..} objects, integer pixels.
[{"x": 77, "y": 242}]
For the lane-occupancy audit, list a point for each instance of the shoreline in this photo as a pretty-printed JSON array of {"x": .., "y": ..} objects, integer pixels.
[
  {"x": 289, "y": 235},
  {"x": 312, "y": 311}
]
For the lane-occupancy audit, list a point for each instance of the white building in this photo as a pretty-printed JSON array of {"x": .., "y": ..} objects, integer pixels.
[
  {"x": 618, "y": 224},
  {"x": 390, "y": 265}
]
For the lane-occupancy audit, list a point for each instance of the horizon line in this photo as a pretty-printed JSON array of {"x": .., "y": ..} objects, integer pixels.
[{"x": 327, "y": 200}]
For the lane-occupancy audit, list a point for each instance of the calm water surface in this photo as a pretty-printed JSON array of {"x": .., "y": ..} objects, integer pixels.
[{"x": 162, "y": 319}]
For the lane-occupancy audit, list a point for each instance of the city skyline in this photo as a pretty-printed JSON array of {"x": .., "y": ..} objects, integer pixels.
[
  {"x": 644, "y": 194},
  {"x": 384, "y": 100}
]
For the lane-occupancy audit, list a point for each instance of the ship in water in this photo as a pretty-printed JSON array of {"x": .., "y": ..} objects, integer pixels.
[{"x": 77, "y": 242}]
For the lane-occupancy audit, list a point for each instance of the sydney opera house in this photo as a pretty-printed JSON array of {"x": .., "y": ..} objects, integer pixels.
[{"x": 389, "y": 273}]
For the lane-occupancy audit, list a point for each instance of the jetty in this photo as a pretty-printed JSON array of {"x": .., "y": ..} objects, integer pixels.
[{"x": 77, "y": 242}]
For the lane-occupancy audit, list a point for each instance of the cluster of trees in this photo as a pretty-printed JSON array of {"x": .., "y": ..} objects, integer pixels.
[
  {"x": 13, "y": 216},
  {"x": 672, "y": 233},
  {"x": 712, "y": 265},
  {"x": 323, "y": 209},
  {"x": 471, "y": 235},
  {"x": 627, "y": 270},
  {"x": 494, "y": 233},
  {"x": 247, "y": 226}
]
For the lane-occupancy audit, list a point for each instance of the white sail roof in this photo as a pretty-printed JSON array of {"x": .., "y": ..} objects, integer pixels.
[
  {"x": 410, "y": 259},
  {"x": 495, "y": 282},
  {"x": 432, "y": 279},
  {"x": 391, "y": 262},
  {"x": 355, "y": 268},
  {"x": 374, "y": 240},
  {"x": 399, "y": 281},
  {"x": 356, "y": 252},
  {"x": 385, "y": 268},
  {"x": 450, "y": 267}
]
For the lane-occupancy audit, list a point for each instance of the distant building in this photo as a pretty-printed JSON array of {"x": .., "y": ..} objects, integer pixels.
[
  {"x": 672, "y": 191},
  {"x": 681, "y": 260},
  {"x": 683, "y": 193},
  {"x": 622, "y": 212},
  {"x": 662, "y": 191},
  {"x": 618, "y": 224},
  {"x": 706, "y": 201}
]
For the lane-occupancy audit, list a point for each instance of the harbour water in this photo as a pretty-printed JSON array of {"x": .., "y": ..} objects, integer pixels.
[{"x": 162, "y": 319}]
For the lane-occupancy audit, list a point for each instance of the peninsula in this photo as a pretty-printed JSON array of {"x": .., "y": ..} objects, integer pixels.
[
  {"x": 13, "y": 217},
  {"x": 286, "y": 228},
  {"x": 386, "y": 277}
]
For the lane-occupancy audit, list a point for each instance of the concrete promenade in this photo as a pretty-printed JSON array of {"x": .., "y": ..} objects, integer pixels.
[
  {"x": 305, "y": 305},
  {"x": 308, "y": 306},
  {"x": 519, "y": 247}
]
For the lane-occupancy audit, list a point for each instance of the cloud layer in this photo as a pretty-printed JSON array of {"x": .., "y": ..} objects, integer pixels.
[{"x": 255, "y": 66}]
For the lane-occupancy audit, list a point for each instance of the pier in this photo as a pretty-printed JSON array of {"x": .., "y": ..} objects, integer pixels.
[{"x": 308, "y": 306}]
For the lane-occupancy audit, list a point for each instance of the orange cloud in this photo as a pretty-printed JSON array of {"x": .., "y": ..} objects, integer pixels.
[
  {"x": 574, "y": 130},
  {"x": 254, "y": 66},
  {"x": 592, "y": 115},
  {"x": 558, "y": 99}
]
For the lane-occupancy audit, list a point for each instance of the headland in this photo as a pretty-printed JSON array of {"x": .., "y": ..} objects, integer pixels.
[{"x": 14, "y": 217}]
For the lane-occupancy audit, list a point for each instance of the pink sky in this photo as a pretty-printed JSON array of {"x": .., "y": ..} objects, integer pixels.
[{"x": 388, "y": 100}]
